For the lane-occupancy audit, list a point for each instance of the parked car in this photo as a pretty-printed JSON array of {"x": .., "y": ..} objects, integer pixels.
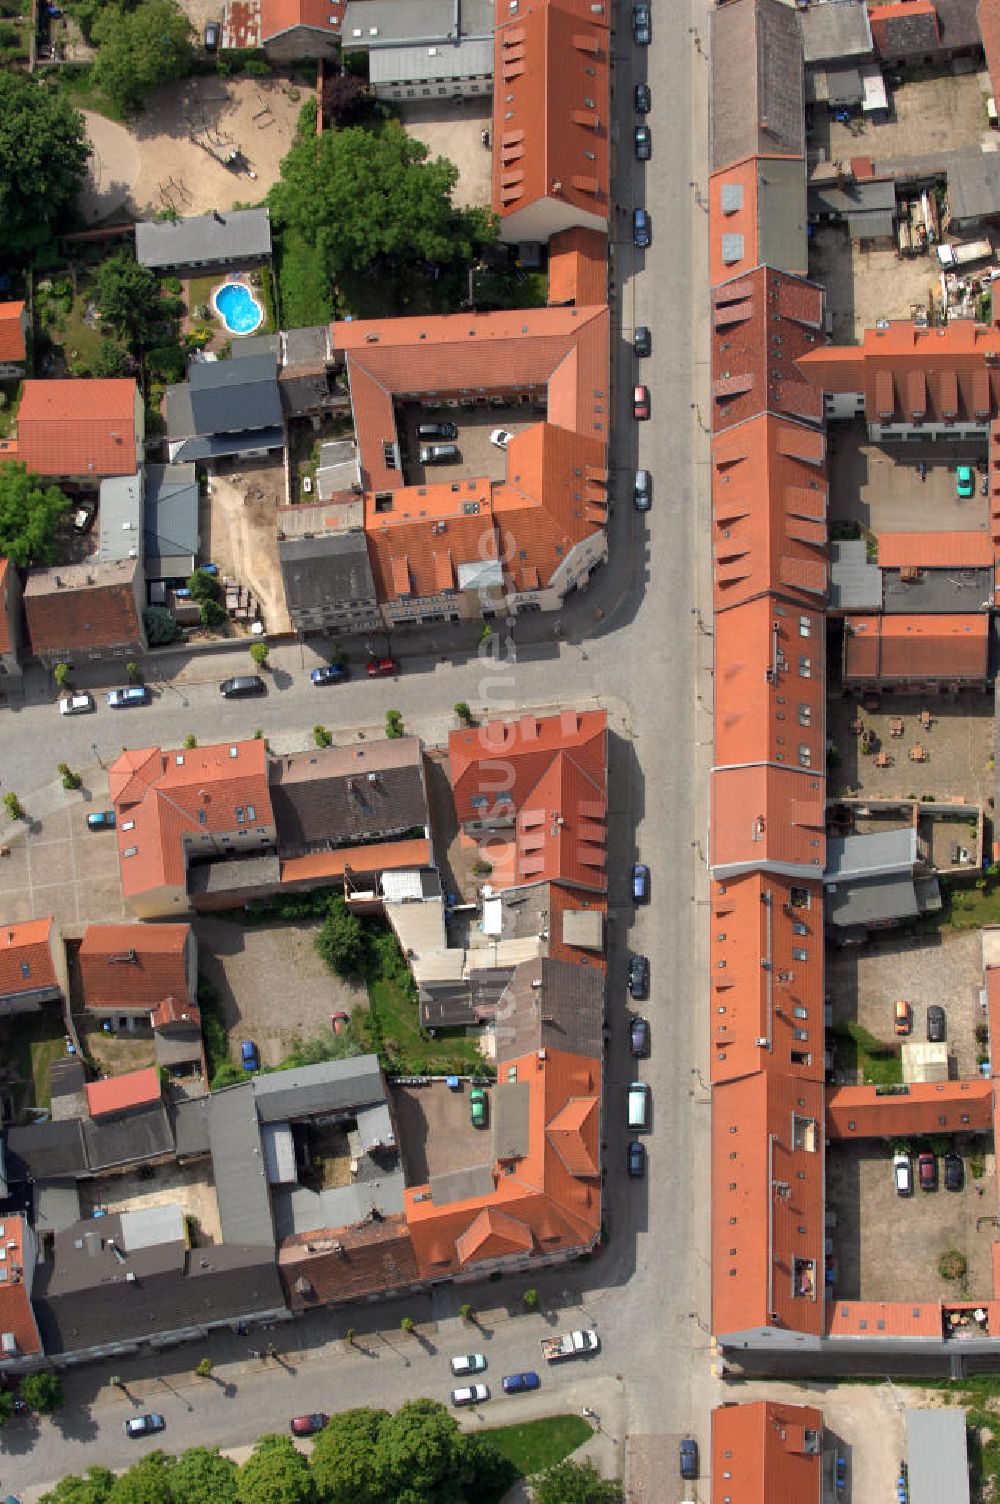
[
  {"x": 640, "y": 403},
  {"x": 477, "y": 1107},
  {"x": 307, "y": 484},
  {"x": 212, "y": 30},
  {"x": 242, "y": 687},
  {"x": 637, "y": 1106},
  {"x": 638, "y": 1036},
  {"x": 437, "y": 431},
  {"x": 642, "y": 341},
  {"x": 689, "y": 1458},
  {"x": 308, "y": 1425},
  {"x": 520, "y": 1383},
  {"x": 76, "y": 705},
  {"x": 472, "y": 1394},
  {"x": 330, "y": 673},
  {"x": 904, "y": 1017},
  {"x": 249, "y": 1058},
  {"x": 643, "y": 99},
  {"x": 340, "y": 1022},
  {"x": 501, "y": 437},
  {"x": 642, "y": 229},
  {"x": 101, "y": 819},
  {"x": 638, "y": 977},
  {"x": 123, "y": 699},
  {"x": 902, "y": 1174},
  {"x": 927, "y": 1170},
  {"x": 641, "y": 25},
  {"x": 439, "y": 454},
  {"x": 640, "y": 883},
  {"x": 379, "y": 667},
  {"x": 935, "y": 1023},
  {"x": 83, "y": 517},
  {"x": 468, "y": 1363},
  {"x": 954, "y": 1172},
  {"x": 965, "y": 485},
  {"x": 144, "y": 1425},
  {"x": 642, "y": 140},
  {"x": 642, "y": 494},
  {"x": 636, "y": 1160}
]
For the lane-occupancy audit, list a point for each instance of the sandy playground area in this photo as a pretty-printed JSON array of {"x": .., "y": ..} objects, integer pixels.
[{"x": 157, "y": 163}]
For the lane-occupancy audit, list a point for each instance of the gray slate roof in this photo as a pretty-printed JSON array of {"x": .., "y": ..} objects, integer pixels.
[
  {"x": 238, "y": 1167},
  {"x": 171, "y": 513},
  {"x": 238, "y": 235},
  {"x": 837, "y": 29},
  {"x": 937, "y": 1456},
  {"x": 565, "y": 1012},
  {"x": 327, "y": 571},
  {"x": 192, "y": 1117},
  {"x": 141, "y": 1133},
  {"x": 332, "y": 1086},
  {"x": 45, "y": 1151},
  {"x": 233, "y": 395},
  {"x": 875, "y": 854},
  {"x": 758, "y": 98},
  {"x": 938, "y": 590},
  {"x": 338, "y": 795}
]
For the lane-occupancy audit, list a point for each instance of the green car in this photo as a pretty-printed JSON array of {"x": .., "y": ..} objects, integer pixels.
[
  {"x": 963, "y": 482},
  {"x": 477, "y": 1107}
]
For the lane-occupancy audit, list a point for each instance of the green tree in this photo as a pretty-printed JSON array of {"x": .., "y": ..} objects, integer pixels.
[
  {"x": 345, "y": 1457},
  {"x": 43, "y": 160},
  {"x": 160, "y": 626},
  {"x": 259, "y": 652},
  {"x": 341, "y": 940},
  {"x": 406, "y": 1325},
  {"x": 275, "y": 1473},
  {"x": 424, "y": 1456},
  {"x": 30, "y": 512},
  {"x": 13, "y": 805},
  {"x": 346, "y": 99},
  {"x": 575, "y": 1483},
  {"x": 42, "y": 1391},
  {"x": 201, "y": 1476},
  {"x": 60, "y": 674},
  {"x": 393, "y": 724},
  {"x": 6, "y": 1405},
  {"x": 110, "y": 360},
  {"x": 204, "y": 586},
  {"x": 92, "y": 1487},
  {"x": 146, "y": 1482},
  {"x": 462, "y": 710},
  {"x": 530, "y": 1299},
  {"x": 141, "y": 49},
  {"x": 326, "y": 1046},
  {"x": 212, "y": 616},
  {"x": 128, "y": 295}
]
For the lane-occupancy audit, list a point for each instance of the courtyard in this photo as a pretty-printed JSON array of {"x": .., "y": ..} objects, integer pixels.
[
  {"x": 956, "y": 748},
  {"x": 928, "y": 114},
  {"x": 436, "y": 1135},
  {"x": 866, "y": 281},
  {"x": 878, "y": 487},
  {"x": 237, "y": 524},
  {"x": 56, "y": 865}
]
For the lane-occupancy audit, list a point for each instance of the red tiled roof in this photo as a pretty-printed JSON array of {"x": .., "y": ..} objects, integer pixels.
[
  {"x": 902, "y": 649},
  {"x": 175, "y": 1010},
  {"x": 769, "y": 499},
  {"x": 134, "y": 965},
  {"x": 761, "y": 324},
  {"x": 551, "y": 108},
  {"x": 759, "y": 1453},
  {"x": 16, "y": 1313},
  {"x": 765, "y": 711},
  {"x": 85, "y": 606},
  {"x": 12, "y": 346},
  {"x": 554, "y": 498},
  {"x": 967, "y": 549},
  {"x": 562, "y": 901},
  {"x": 768, "y": 817},
  {"x": 885, "y": 1318},
  {"x": 168, "y": 803},
  {"x": 958, "y": 362},
  {"x": 759, "y": 1239},
  {"x": 277, "y": 16},
  {"x": 344, "y": 1262},
  {"x": 383, "y": 856},
  {"x": 740, "y": 224},
  {"x": 755, "y": 1007},
  {"x": 78, "y": 427},
  {"x": 924, "y": 1107},
  {"x": 117, "y": 1093},
  {"x": 407, "y": 536},
  {"x": 26, "y": 962},
  {"x": 578, "y": 267}
]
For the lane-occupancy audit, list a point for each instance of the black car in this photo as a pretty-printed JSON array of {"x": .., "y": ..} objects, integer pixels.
[
  {"x": 636, "y": 1160},
  {"x": 330, "y": 673},
  {"x": 437, "y": 431},
  {"x": 689, "y": 1458},
  {"x": 638, "y": 1036},
  {"x": 641, "y": 25},
  {"x": 642, "y": 138},
  {"x": 638, "y": 977},
  {"x": 642, "y": 230},
  {"x": 954, "y": 1172},
  {"x": 241, "y": 686},
  {"x": 642, "y": 341},
  {"x": 643, "y": 99},
  {"x": 935, "y": 1023}
]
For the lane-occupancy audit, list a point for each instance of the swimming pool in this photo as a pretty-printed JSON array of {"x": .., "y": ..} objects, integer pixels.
[{"x": 237, "y": 308}]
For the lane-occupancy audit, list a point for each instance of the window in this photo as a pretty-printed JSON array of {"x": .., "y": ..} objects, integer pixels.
[
  {"x": 251, "y": 812},
  {"x": 805, "y": 668},
  {"x": 805, "y": 627},
  {"x": 802, "y": 1034},
  {"x": 800, "y": 955},
  {"x": 800, "y": 1012},
  {"x": 805, "y": 715},
  {"x": 805, "y": 755},
  {"x": 799, "y": 898},
  {"x": 801, "y": 1057},
  {"x": 798, "y": 928},
  {"x": 25, "y": 968},
  {"x": 241, "y": 814}
]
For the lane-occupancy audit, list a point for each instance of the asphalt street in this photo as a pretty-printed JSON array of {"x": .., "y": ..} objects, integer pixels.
[{"x": 639, "y": 639}]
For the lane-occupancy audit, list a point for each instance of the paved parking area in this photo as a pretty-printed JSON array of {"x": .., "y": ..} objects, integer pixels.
[
  {"x": 435, "y": 1132},
  {"x": 275, "y": 989},
  {"x": 959, "y": 746},
  {"x": 58, "y": 866},
  {"x": 879, "y": 487},
  {"x": 865, "y": 282},
  {"x": 477, "y": 456},
  {"x": 453, "y": 128},
  {"x": 863, "y": 983},
  {"x": 886, "y": 1247}
]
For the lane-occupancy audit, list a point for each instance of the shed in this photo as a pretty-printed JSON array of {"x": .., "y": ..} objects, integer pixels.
[{"x": 937, "y": 1456}]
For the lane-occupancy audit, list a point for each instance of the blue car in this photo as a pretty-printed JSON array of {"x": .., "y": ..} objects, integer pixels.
[
  {"x": 101, "y": 819},
  {"x": 520, "y": 1383},
  {"x": 640, "y": 883},
  {"x": 135, "y": 694},
  {"x": 642, "y": 232},
  {"x": 249, "y": 1058},
  {"x": 330, "y": 673}
]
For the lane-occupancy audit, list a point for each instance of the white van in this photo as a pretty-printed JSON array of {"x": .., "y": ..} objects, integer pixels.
[{"x": 638, "y": 1107}]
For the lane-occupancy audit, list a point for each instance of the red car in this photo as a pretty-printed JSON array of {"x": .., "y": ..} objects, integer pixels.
[
  {"x": 640, "y": 402},
  {"x": 308, "y": 1425},
  {"x": 379, "y": 666}
]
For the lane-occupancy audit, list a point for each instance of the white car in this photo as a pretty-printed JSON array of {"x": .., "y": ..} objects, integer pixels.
[
  {"x": 902, "y": 1174},
  {"x": 472, "y": 1394},
  {"x": 468, "y": 1363},
  {"x": 307, "y": 484},
  {"x": 501, "y": 437},
  {"x": 76, "y": 704}
]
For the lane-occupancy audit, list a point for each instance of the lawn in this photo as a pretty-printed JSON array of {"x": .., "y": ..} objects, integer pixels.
[
  {"x": 870, "y": 1060},
  {"x": 61, "y": 315},
  {"x": 534, "y": 1445},
  {"x": 10, "y": 400},
  {"x": 74, "y": 82},
  {"x": 393, "y": 1028},
  {"x": 32, "y": 1041},
  {"x": 970, "y": 908}
]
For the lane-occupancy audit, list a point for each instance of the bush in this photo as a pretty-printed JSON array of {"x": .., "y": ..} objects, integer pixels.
[
  {"x": 190, "y": 741},
  {"x": 42, "y": 1392},
  {"x": 530, "y": 1299},
  {"x": 482, "y": 869},
  {"x": 462, "y": 711},
  {"x": 256, "y": 67},
  {"x": 160, "y": 626},
  {"x": 13, "y": 805},
  {"x": 322, "y": 737},
  {"x": 204, "y": 586},
  {"x": 259, "y": 652},
  {"x": 212, "y": 615},
  {"x": 952, "y": 1265},
  {"x": 393, "y": 724},
  {"x": 166, "y": 363},
  {"x": 173, "y": 285},
  {"x": 406, "y": 1325}
]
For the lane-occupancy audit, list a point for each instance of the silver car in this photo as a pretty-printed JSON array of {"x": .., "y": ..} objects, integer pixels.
[
  {"x": 472, "y": 1394},
  {"x": 468, "y": 1363}
]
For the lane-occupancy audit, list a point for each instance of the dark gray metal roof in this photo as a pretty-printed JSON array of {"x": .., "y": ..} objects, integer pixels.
[
  {"x": 855, "y": 579},
  {"x": 877, "y": 900},
  {"x": 299, "y": 1209},
  {"x": 758, "y": 92},
  {"x": 462, "y": 1185},
  {"x": 840, "y": 28},
  {"x": 781, "y": 214},
  {"x": 181, "y": 1046},
  {"x": 511, "y": 1103},
  {"x": 854, "y": 196},
  {"x": 231, "y": 396},
  {"x": 844, "y": 86},
  {"x": 249, "y": 872},
  {"x": 57, "y": 1205},
  {"x": 127, "y": 1138},
  {"x": 238, "y": 1167},
  {"x": 238, "y": 235},
  {"x": 332, "y": 1086},
  {"x": 171, "y": 513},
  {"x": 216, "y": 445},
  {"x": 336, "y": 796},
  {"x": 551, "y": 1004},
  {"x": 329, "y": 570},
  {"x": 973, "y": 185},
  {"x": 45, "y": 1151},
  {"x": 192, "y": 1118},
  {"x": 937, "y": 1456}
]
